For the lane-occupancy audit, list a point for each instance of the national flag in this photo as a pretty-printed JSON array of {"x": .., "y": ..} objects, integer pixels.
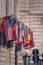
[
  {"x": 2, "y": 38},
  {"x": 3, "y": 25},
  {"x": 9, "y": 29},
  {"x": 15, "y": 28},
  {"x": 28, "y": 41},
  {"x": 30, "y": 38},
  {"x": 2, "y": 33},
  {"x": 22, "y": 31},
  {"x": 25, "y": 37},
  {"x": 4, "y": 22},
  {"x": 19, "y": 34},
  {"x": 25, "y": 34}
]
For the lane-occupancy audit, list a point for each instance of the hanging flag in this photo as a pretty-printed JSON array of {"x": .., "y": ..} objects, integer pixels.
[
  {"x": 2, "y": 25},
  {"x": 2, "y": 34},
  {"x": 10, "y": 29},
  {"x": 15, "y": 28},
  {"x": 22, "y": 31},
  {"x": 25, "y": 44},
  {"x": 2, "y": 39},
  {"x": 19, "y": 33},
  {"x": 25, "y": 34},
  {"x": 30, "y": 38}
]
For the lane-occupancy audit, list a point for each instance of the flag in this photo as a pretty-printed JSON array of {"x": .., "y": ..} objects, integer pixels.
[
  {"x": 20, "y": 33},
  {"x": 25, "y": 44},
  {"x": 15, "y": 28},
  {"x": 2, "y": 25},
  {"x": 2, "y": 34},
  {"x": 25, "y": 34},
  {"x": 10, "y": 25},
  {"x": 30, "y": 38},
  {"x": 9, "y": 29},
  {"x": 2, "y": 39}
]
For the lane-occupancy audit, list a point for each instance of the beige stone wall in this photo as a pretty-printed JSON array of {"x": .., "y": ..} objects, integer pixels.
[{"x": 2, "y": 8}]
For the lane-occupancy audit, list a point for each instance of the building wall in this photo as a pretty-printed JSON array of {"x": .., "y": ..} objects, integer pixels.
[{"x": 2, "y": 8}]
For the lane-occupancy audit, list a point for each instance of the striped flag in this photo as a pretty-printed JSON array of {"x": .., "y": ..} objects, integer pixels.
[
  {"x": 30, "y": 38},
  {"x": 9, "y": 29},
  {"x": 22, "y": 31},
  {"x": 15, "y": 28},
  {"x": 25, "y": 44},
  {"x": 19, "y": 34}
]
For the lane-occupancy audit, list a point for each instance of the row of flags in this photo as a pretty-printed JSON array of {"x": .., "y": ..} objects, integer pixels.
[{"x": 14, "y": 30}]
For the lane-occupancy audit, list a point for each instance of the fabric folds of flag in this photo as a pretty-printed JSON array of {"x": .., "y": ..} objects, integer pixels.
[
  {"x": 25, "y": 44},
  {"x": 20, "y": 33},
  {"x": 9, "y": 30},
  {"x": 15, "y": 28},
  {"x": 2, "y": 39},
  {"x": 30, "y": 38},
  {"x": 2, "y": 34}
]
